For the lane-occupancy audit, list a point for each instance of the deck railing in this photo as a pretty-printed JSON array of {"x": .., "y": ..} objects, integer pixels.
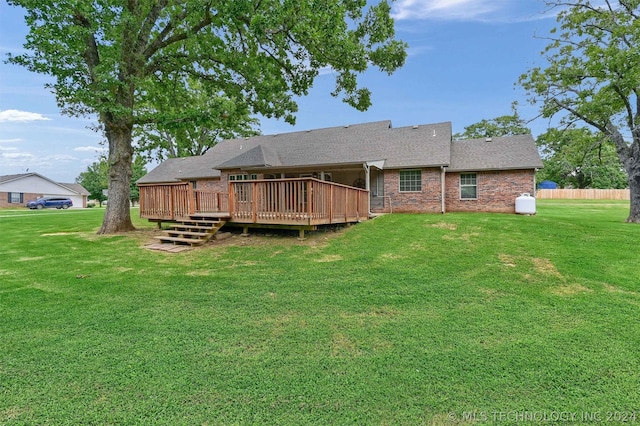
[{"x": 304, "y": 201}]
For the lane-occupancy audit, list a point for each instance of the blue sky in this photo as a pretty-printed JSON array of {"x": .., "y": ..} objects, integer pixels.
[{"x": 464, "y": 59}]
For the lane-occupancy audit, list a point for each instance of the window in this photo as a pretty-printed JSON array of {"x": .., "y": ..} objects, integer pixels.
[
  {"x": 468, "y": 186},
  {"x": 243, "y": 177},
  {"x": 410, "y": 181},
  {"x": 15, "y": 197}
]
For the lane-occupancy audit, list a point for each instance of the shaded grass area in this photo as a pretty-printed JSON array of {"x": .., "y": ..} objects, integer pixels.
[{"x": 405, "y": 319}]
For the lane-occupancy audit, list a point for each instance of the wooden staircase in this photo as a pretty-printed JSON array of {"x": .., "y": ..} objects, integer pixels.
[{"x": 195, "y": 231}]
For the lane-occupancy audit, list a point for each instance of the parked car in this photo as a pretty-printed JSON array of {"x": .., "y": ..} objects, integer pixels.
[{"x": 48, "y": 202}]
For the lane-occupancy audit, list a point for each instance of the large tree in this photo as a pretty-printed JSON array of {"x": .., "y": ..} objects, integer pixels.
[
  {"x": 114, "y": 58},
  {"x": 225, "y": 118},
  {"x": 95, "y": 180},
  {"x": 593, "y": 76},
  {"x": 580, "y": 158},
  {"x": 505, "y": 125}
]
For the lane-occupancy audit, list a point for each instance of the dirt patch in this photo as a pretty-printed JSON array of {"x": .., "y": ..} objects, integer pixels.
[
  {"x": 444, "y": 225},
  {"x": 570, "y": 290},
  {"x": 540, "y": 265},
  {"x": 545, "y": 267},
  {"x": 328, "y": 258},
  {"x": 341, "y": 345},
  {"x": 613, "y": 289},
  {"x": 390, "y": 256},
  {"x": 55, "y": 234},
  {"x": 507, "y": 260},
  {"x": 29, "y": 259}
]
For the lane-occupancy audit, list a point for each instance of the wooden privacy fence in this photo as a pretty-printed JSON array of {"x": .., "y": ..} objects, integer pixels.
[
  {"x": 584, "y": 194},
  {"x": 304, "y": 201}
]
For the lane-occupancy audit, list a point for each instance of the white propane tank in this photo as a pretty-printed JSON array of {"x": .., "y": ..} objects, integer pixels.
[{"x": 526, "y": 204}]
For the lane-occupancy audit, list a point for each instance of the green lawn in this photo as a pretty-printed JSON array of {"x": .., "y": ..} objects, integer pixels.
[{"x": 405, "y": 319}]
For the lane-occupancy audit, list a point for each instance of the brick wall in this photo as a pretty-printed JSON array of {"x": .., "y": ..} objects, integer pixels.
[
  {"x": 216, "y": 185},
  {"x": 426, "y": 201},
  {"x": 497, "y": 191},
  {"x": 4, "y": 200}
]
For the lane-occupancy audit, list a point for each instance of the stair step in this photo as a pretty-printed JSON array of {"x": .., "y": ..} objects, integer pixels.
[
  {"x": 193, "y": 231},
  {"x": 176, "y": 232},
  {"x": 185, "y": 226},
  {"x": 192, "y": 241},
  {"x": 204, "y": 222}
]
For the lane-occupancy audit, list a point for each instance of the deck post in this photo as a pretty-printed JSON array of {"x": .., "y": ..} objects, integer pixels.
[
  {"x": 192, "y": 198},
  {"x": 254, "y": 202},
  {"x": 331, "y": 204},
  {"x": 232, "y": 197},
  {"x": 309, "y": 201},
  {"x": 172, "y": 211}
]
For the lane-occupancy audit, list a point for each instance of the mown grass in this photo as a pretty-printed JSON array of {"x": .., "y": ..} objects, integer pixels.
[{"x": 405, "y": 319}]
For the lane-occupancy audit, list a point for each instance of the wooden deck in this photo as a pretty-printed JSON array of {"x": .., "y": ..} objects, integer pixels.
[{"x": 304, "y": 201}]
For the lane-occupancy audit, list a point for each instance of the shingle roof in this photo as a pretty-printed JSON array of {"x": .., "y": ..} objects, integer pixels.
[
  {"x": 178, "y": 169},
  {"x": 7, "y": 178},
  {"x": 76, "y": 187},
  {"x": 503, "y": 153},
  {"x": 405, "y": 147},
  {"x": 426, "y": 145}
]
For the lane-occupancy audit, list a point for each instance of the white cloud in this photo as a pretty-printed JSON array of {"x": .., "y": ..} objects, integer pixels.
[
  {"x": 90, "y": 148},
  {"x": 14, "y": 140},
  {"x": 17, "y": 156},
  {"x": 457, "y": 10},
  {"x": 7, "y": 148},
  {"x": 60, "y": 157},
  {"x": 14, "y": 115}
]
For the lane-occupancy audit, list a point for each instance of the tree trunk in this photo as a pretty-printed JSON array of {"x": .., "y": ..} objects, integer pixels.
[
  {"x": 629, "y": 156},
  {"x": 117, "y": 217},
  {"x": 634, "y": 190}
]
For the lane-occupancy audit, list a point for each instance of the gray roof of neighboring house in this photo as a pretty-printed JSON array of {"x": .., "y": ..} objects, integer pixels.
[
  {"x": 7, "y": 178},
  {"x": 76, "y": 187},
  {"x": 503, "y": 153}
]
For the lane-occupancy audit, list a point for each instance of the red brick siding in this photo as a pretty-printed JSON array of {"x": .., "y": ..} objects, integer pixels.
[
  {"x": 497, "y": 191},
  {"x": 426, "y": 201},
  {"x": 216, "y": 185},
  {"x": 4, "y": 199}
]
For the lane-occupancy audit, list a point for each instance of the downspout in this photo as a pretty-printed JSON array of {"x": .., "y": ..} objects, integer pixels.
[
  {"x": 367, "y": 186},
  {"x": 443, "y": 172}
]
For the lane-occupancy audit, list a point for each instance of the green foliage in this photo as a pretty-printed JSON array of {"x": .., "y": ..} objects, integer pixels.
[
  {"x": 139, "y": 170},
  {"x": 95, "y": 180},
  {"x": 120, "y": 60},
  {"x": 505, "y": 125},
  {"x": 451, "y": 313},
  {"x": 173, "y": 135},
  {"x": 580, "y": 158},
  {"x": 593, "y": 76}
]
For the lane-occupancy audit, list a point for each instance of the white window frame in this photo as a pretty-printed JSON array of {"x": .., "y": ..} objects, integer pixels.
[
  {"x": 465, "y": 183},
  {"x": 411, "y": 183}
]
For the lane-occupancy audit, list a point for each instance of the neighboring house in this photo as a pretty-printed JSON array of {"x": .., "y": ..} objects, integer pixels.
[
  {"x": 16, "y": 190},
  {"x": 407, "y": 169}
]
